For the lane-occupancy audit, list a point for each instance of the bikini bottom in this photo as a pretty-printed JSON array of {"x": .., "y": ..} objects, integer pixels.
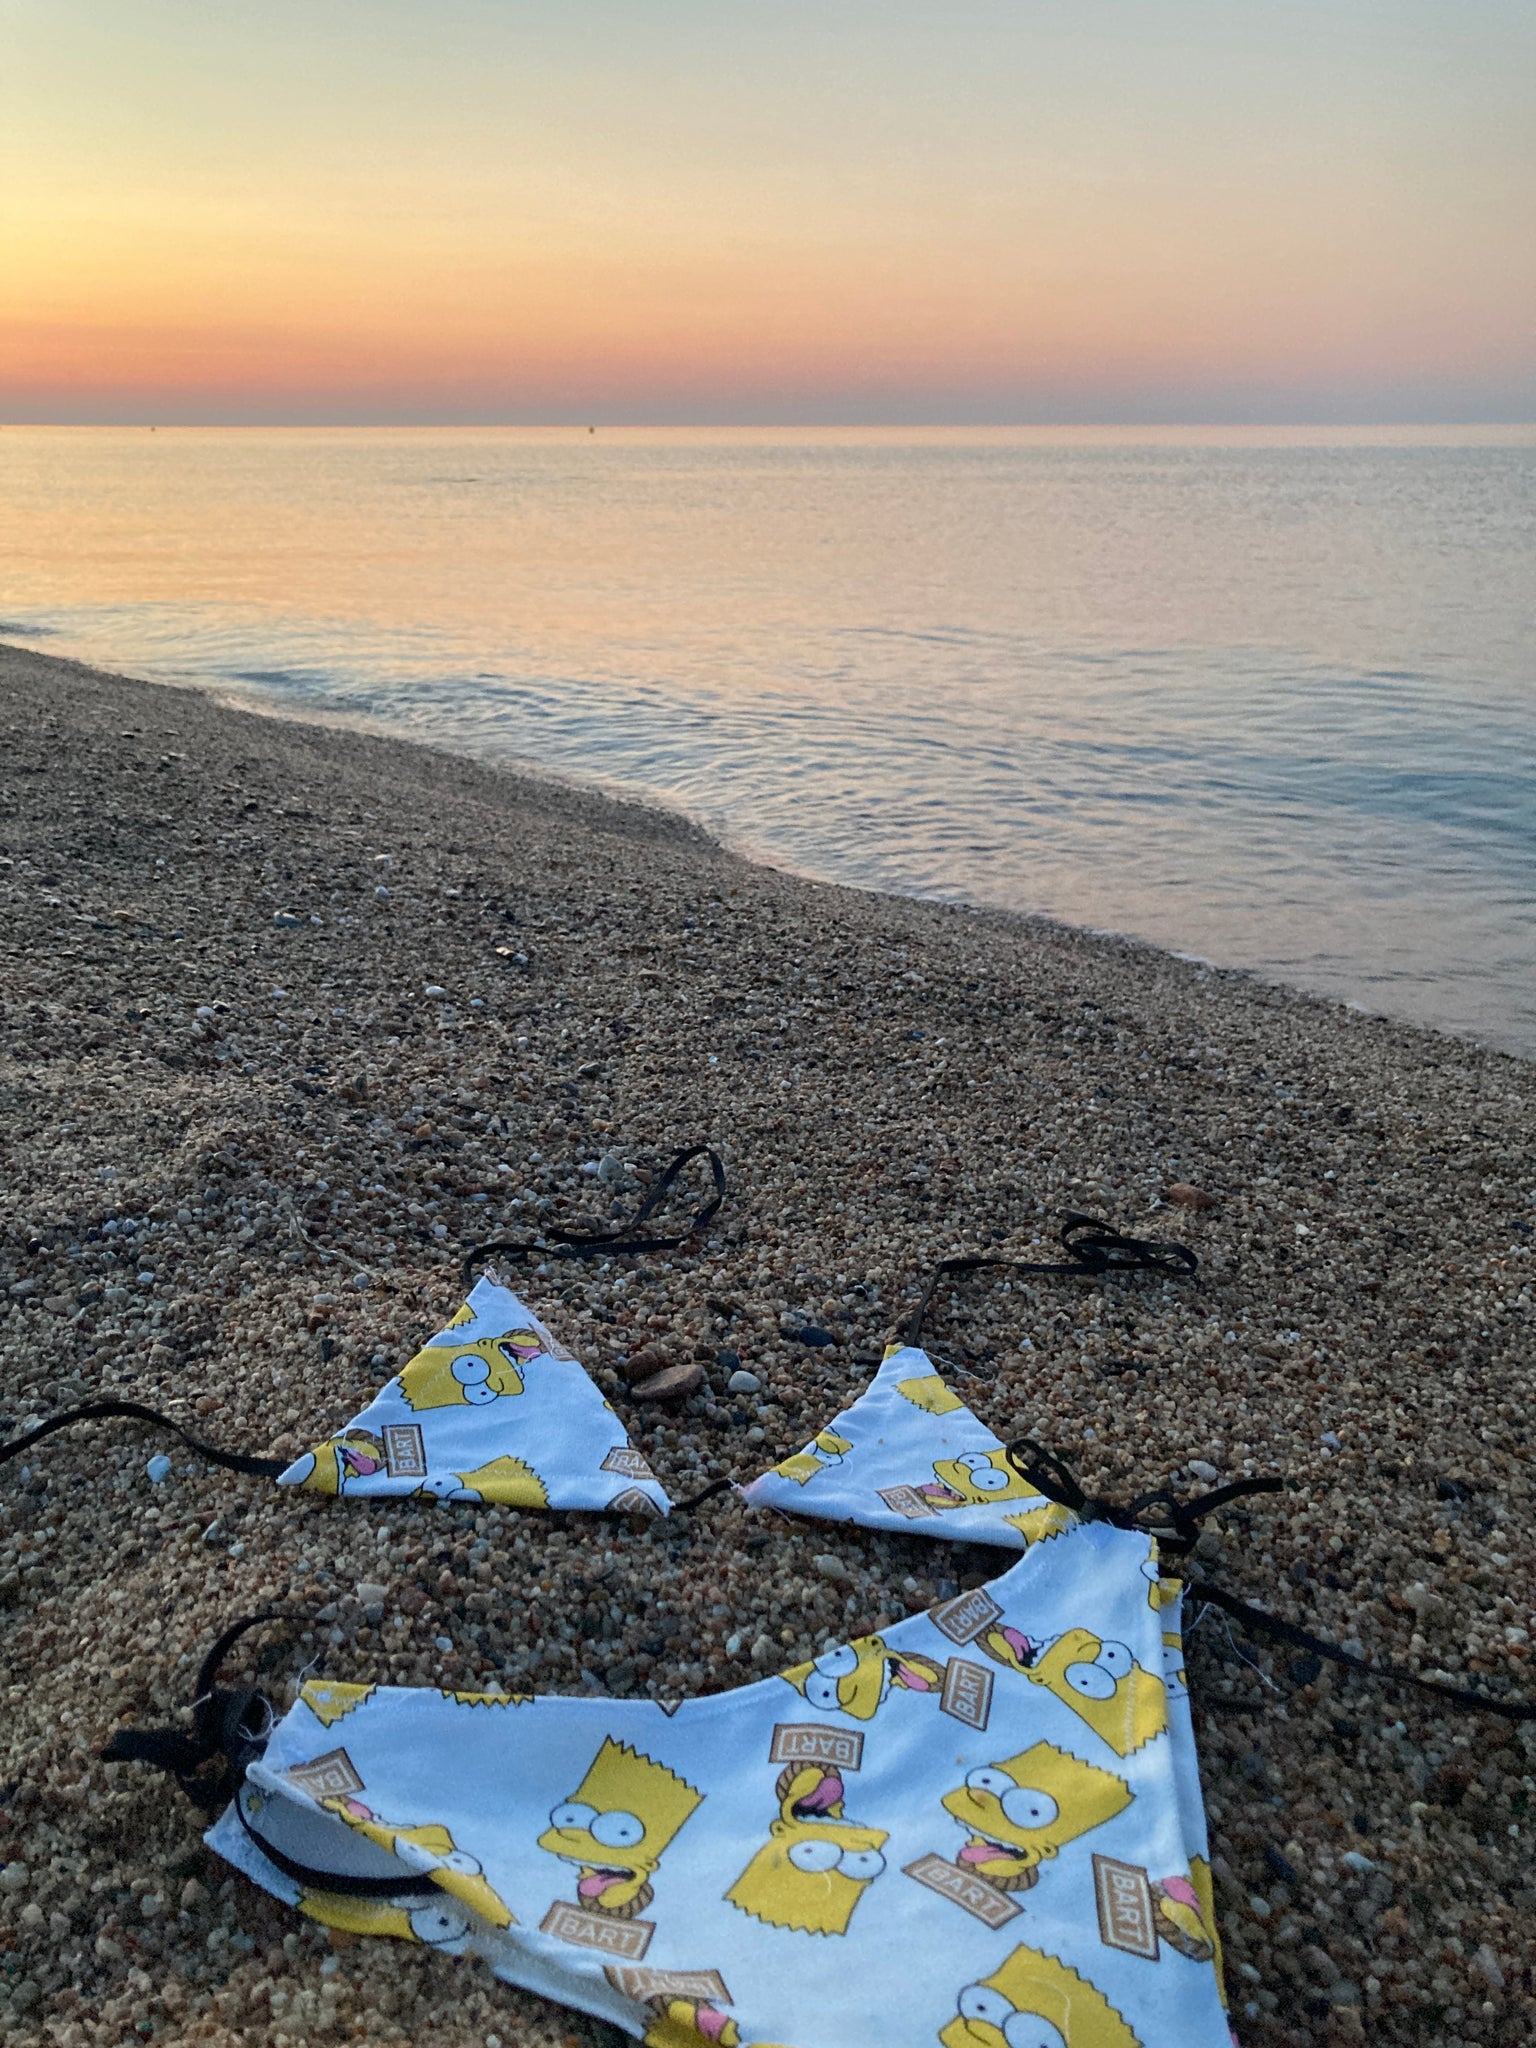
[{"x": 980, "y": 1828}]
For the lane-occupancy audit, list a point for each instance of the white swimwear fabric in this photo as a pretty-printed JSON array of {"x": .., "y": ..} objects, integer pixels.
[
  {"x": 910, "y": 1455},
  {"x": 981, "y": 1828},
  {"x": 490, "y": 1409}
]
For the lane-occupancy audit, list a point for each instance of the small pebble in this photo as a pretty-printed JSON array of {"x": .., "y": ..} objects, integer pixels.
[
  {"x": 158, "y": 1470},
  {"x": 14, "y": 1877},
  {"x": 1185, "y": 1195},
  {"x": 671, "y": 1384},
  {"x": 743, "y": 1382},
  {"x": 1486, "y": 1964},
  {"x": 831, "y": 1567}
]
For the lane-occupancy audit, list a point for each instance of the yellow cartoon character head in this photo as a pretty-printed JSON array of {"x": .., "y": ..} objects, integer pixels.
[
  {"x": 471, "y": 1375},
  {"x": 855, "y": 1677},
  {"x": 505, "y": 1480},
  {"x": 1036, "y": 1524},
  {"x": 827, "y": 1449},
  {"x": 1184, "y": 1911},
  {"x": 930, "y": 1393},
  {"x": 681, "y": 2023},
  {"x": 812, "y": 1870},
  {"x": 331, "y": 1466},
  {"x": 431, "y": 1850},
  {"x": 329, "y": 1699},
  {"x": 436, "y": 1922},
  {"x": 1034, "y": 2001},
  {"x": 1017, "y": 1814},
  {"x": 974, "y": 1480},
  {"x": 1103, "y": 1684},
  {"x": 615, "y": 1826}
]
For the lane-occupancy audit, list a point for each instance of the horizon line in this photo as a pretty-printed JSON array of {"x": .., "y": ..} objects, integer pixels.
[{"x": 583, "y": 424}]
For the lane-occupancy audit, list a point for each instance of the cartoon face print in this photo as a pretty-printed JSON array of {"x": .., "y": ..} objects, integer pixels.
[
  {"x": 815, "y": 1866},
  {"x": 505, "y": 1480},
  {"x": 329, "y": 1467},
  {"x": 1183, "y": 1909},
  {"x": 827, "y": 1449},
  {"x": 974, "y": 1480},
  {"x": 680, "y": 2023},
  {"x": 1019, "y": 1813},
  {"x": 435, "y": 1923},
  {"x": 329, "y": 1699},
  {"x": 1034, "y": 2001},
  {"x": 930, "y": 1394},
  {"x": 855, "y": 1677},
  {"x": 616, "y": 1824},
  {"x": 432, "y": 1850},
  {"x": 1100, "y": 1681},
  {"x": 444, "y": 1376},
  {"x": 1035, "y": 1525}
]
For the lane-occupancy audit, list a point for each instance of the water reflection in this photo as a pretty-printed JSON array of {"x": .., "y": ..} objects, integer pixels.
[{"x": 1267, "y": 703}]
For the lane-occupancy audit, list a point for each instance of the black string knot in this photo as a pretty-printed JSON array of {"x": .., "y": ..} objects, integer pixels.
[
  {"x": 229, "y": 1731},
  {"x": 554, "y": 1243}
]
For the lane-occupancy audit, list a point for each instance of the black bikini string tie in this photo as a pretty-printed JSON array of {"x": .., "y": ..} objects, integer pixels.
[
  {"x": 1051, "y": 1476},
  {"x": 1176, "y": 1528},
  {"x": 554, "y": 1243},
  {"x": 1264, "y": 1623},
  {"x": 135, "y": 1411},
  {"x": 1095, "y": 1248},
  {"x": 228, "y": 1728}
]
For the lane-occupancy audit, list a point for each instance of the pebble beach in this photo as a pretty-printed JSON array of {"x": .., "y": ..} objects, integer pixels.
[{"x": 293, "y": 1016}]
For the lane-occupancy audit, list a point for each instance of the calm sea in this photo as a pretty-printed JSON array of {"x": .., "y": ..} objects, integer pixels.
[{"x": 1264, "y": 697}]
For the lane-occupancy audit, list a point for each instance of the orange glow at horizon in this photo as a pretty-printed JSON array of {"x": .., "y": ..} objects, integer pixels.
[{"x": 1004, "y": 219}]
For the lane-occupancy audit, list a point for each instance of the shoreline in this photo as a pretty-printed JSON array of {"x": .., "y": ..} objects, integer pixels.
[
  {"x": 281, "y": 1111},
  {"x": 597, "y": 789}
]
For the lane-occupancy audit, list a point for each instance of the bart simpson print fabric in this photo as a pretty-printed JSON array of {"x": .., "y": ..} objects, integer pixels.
[
  {"x": 911, "y": 1840},
  {"x": 910, "y": 1455},
  {"x": 490, "y": 1409}
]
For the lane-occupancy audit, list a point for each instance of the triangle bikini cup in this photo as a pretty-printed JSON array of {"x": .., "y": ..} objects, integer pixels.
[{"x": 494, "y": 1409}]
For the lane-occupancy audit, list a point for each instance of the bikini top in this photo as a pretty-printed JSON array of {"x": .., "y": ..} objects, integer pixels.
[{"x": 494, "y": 1409}]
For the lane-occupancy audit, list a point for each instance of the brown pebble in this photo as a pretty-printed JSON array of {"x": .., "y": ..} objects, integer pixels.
[
  {"x": 645, "y": 1363},
  {"x": 672, "y": 1384},
  {"x": 1185, "y": 1195}
]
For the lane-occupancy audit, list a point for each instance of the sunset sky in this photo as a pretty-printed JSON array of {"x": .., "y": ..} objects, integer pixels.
[{"x": 803, "y": 211}]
